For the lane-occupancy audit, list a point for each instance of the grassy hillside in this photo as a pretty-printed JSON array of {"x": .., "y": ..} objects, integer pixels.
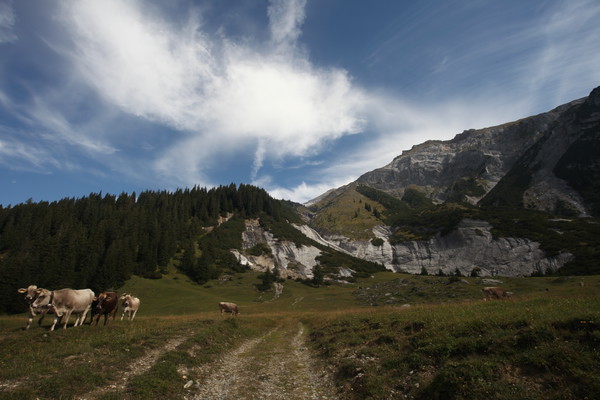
[
  {"x": 438, "y": 341},
  {"x": 348, "y": 212}
]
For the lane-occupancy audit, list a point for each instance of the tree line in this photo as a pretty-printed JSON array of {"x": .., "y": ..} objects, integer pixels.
[{"x": 99, "y": 241}]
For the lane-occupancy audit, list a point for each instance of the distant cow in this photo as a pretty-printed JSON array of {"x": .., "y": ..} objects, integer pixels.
[
  {"x": 229, "y": 308},
  {"x": 131, "y": 304},
  {"x": 30, "y": 296},
  {"x": 106, "y": 304},
  {"x": 496, "y": 293},
  {"x": 65, "y": 302}
]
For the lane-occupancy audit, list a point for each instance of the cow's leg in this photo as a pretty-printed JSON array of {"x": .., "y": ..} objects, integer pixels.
[
  {"x": 42, "y": 317},
  {"x": 122, "y": 315},
  {"x": 55, "y": 321},
  {"x": 67, "y": 317},
  {"x": 133, "y": 316},
  {"x": 114, "y": 314},
  {"x": 84, "y": 315},
  {"x": 30, "y": 319},
  {"x": 80, "y": 319}
]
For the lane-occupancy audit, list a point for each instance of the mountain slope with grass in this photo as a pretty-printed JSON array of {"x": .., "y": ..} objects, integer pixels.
[
  {"x": 516, "y": 199},
  {"x": 101, "y": 242}
]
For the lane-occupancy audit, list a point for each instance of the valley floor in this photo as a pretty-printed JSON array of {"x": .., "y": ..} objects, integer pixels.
[{"x": 318, "y": 344}]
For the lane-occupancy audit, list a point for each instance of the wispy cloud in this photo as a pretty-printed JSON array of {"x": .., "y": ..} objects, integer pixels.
[
  {"x": 210, "y": 87},
  {"x": 221, "y": 97},
  {"x": 7, "y": 22}
]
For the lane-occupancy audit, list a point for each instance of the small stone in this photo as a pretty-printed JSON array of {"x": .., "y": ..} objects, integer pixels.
[{"x": 188, "y": 384}]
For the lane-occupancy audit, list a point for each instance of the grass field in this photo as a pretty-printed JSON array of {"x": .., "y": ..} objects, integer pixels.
[{"x": 428, "y": 338}]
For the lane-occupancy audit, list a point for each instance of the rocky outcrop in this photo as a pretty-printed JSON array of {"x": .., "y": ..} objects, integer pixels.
[
  {"x": 470, "y": 246},
  {"x": 549, "y": 162},
  {"x": 470, "y": 165},
  {"x": 291, "y": 260}
]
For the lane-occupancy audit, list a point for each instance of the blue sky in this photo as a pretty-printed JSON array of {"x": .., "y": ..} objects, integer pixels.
[{"x": 295, "y": 96}]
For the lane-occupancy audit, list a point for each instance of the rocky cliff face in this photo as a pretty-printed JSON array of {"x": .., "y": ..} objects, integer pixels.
[
  {"x": 466, "y": 167},
  {"x": 291, "y": 260},
  {"x": 470, "y": 246},
  {"x": 549, "y": 162}
]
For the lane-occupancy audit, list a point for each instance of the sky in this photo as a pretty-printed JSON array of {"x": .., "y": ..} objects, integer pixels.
[{"x": 294, "y": 96}]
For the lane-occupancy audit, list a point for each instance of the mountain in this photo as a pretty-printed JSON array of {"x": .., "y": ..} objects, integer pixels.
[
  {"x": 521, "y": 198},
  {"x": 516, "y": 199}
]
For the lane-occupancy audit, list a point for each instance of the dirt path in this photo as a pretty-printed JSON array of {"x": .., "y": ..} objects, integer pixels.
[
  {"x": 137, "y": 367},
  {"x": 276, "y": 365}
]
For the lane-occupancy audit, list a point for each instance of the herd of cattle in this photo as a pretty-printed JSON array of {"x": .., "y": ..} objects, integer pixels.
[{"x": 65, "y": 302}]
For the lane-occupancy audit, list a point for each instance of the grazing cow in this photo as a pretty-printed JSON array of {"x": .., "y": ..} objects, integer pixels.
[
  {"x": 30, "y": 297},
  {"x": 106, "y": 304},
  {"x": 131, "y": 304},
  {"x": 495, "y": 293},
  {"x": 65, "y": 302},
  {"x": 229, "y": 308}
]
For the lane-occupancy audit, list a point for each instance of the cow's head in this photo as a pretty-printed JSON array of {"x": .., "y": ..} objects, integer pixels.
[
  {"x": 30, "y": 292},
  {"x": 126, "y": 298},
  {"x": 44, "y": 298},
  {"x": 100, "y": 301}
]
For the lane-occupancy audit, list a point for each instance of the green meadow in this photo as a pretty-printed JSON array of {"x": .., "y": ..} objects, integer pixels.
[{"x": 387, "y": 336}]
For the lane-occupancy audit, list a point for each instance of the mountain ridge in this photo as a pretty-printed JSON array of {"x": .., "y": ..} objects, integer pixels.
[{"x": 547, "y": 163}]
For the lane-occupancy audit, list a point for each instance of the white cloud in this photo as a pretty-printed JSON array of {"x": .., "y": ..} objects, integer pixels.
[
  {"x": 225, "y": 95},
  {"x": 268, "y": 103},
  {"x": 286, "y": 18}
]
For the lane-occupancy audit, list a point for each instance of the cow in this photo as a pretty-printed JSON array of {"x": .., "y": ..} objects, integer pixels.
[
  {"x": 106, "y": 304},
  {"x": 229, "y": 308},
  {"x": 495, "y": 293},
  {"x": 30, "y": 296},
  {"x": 131, "y": 305},
  {"x": 65, "y": 302}
]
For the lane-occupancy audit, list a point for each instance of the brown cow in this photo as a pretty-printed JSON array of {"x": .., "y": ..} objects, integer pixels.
[
  {"x": 65, "y": 302},
  {"x": 106, "y": 304},
  {"x": 30, "y": 296},
  {"x": 131, "y": 305},
  {"x": 228, "y": 307},
  {"x": 495, "y": 293}
]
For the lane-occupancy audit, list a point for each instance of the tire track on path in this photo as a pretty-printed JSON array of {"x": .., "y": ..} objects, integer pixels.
[
  {"x": 274, "y": 366},
  {"x": 137, "y": 367}
]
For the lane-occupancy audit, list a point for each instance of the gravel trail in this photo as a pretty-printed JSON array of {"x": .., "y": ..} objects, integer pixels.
[{"x": 276, "y": 365}]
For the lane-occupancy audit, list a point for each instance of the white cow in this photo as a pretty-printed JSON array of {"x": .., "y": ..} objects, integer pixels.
[
  {"x": 131, "y": 305},
  {"x": 65, "y": 302},
  {"x": 228, "y": 308},
  {"x": 30, "y": 296}
]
